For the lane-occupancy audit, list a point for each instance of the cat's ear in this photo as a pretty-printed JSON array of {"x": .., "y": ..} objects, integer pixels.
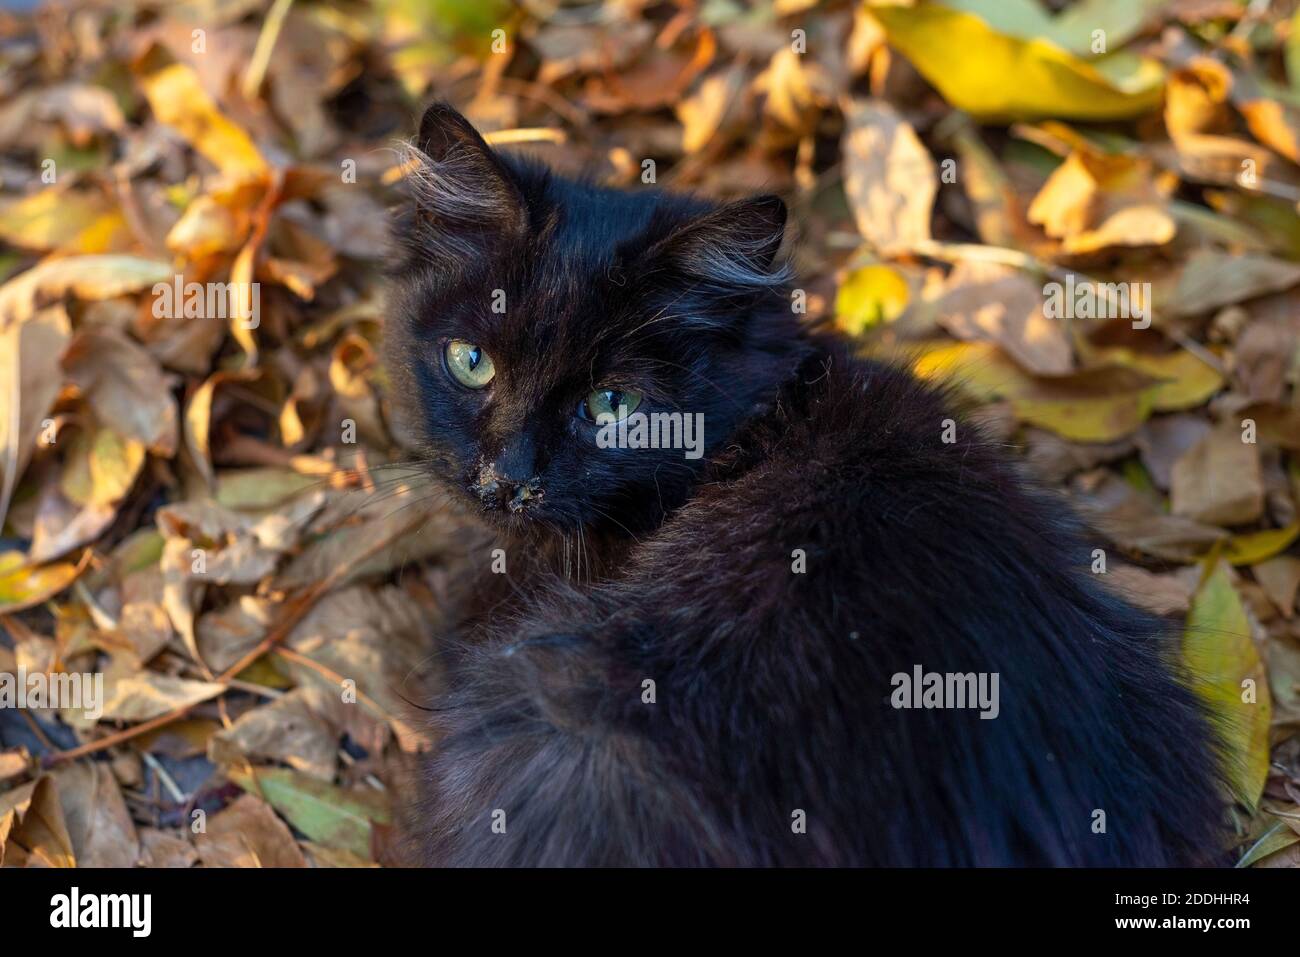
[
  {"x": 729, "y": 250},
  {"x": 464, "y": 198}
]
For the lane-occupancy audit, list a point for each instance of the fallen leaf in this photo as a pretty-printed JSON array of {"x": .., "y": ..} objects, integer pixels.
[
  {"x": 1223, "y": 665},
  {"x": 982, "y": 70},
  {"x": 1003, "y": 305},
  {"x": 22, "y": 585},
  {"x": 290, "y": 730},
  {"x": 1218, "y": 480},
  {"x": 98, "y": 824},
  {"x": 159, "y": 848},
  {"x": 66, "y": 220},
  {"x": 29, "y": 382},
  {"x": 126, "y": 386},
  {"x": 326, "y": 814},
  {"x": 147, "y": 694},
  {"x": 178, "y": 100},
  {"x": 889, "y": 176},
  {"x": 1211, "y": 280},
  {"x": 1279, "y": 577},
  {"x": 868, "y": 296},
  {"x": 37, "y": 830},
  {"x": 247, "y": 834}
]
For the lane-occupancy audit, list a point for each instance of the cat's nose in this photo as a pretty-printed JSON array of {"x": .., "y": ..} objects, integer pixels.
[{"x": 497, "y": 491}]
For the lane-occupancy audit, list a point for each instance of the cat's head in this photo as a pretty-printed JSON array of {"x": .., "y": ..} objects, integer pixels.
[{"x": 529, "y": 309}]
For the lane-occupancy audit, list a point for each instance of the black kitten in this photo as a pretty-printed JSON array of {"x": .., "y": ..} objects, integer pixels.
[{"x": 827, "y": 637}]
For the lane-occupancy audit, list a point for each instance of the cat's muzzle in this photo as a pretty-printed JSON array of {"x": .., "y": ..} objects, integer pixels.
[{"x": 500, "y": 492}]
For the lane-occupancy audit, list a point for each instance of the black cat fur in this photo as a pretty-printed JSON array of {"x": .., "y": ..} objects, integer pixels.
[{"x": 772, "y": 688}]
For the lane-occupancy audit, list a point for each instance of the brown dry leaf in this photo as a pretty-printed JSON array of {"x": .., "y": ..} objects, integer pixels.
[
  {"x": 1164, "y": 439},
  {"x": 198, "y": 417},
  {"x": 889, "y": 176},
  {"x": 291, "y": 730},
  {"x": 146, "y": 626},
  {"x": 567, "y": 49},
  {"x": 1211, "y": 280},
  {"x": 655, "y": 81},
  {"x": 30, "y": 378},
  {"x": 351, "y": 372},
  {"x": 224, "y": 636},
  {"x": 62, "y": 524},
  {"x": 84, "y": 109},
  {"x": 1279, "y": 577},
  {"x": 97, "y": 820},
  {"x": 1218, "y": 480},
  {"x": 387, "y": 532},
  {"x": 372, "y": 637},
  {"x": 38, "y": 836},
  {"x": 993, "y": 303},
  {"x": 795, "y": 92},
  {"x": 1159, "y": 594},
  {"x": 13, "y": 763},
  {"x": 147, "y": 694},
  {"x": 1264, "y": 354},
  {"x": 248, "y": 834},
  {"x": 209, "y": 544},
  {"x": 159, "y": 848},
  {"x": 84, "y": 277},
  {"x": 1000, "y": 215}
]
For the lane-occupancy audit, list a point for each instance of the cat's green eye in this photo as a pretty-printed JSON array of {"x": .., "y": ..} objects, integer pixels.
[
  {"x": 468, "y": 364},
  {"x": 613, "y": 402}
]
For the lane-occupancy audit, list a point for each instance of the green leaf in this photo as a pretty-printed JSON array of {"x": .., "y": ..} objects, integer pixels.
[
  {"x": 1220, "y": 658},
  {"x": 326, "y": 814}
]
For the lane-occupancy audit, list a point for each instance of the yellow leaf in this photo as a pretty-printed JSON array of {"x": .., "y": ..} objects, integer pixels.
[
  {"x": 1258, "y": 546},
  {"x": 995, "y": 76},
  {"x": 22, "y": 586},
  {"x": 206, "y": 228},
  {"x": 1220, "y": 659},
  {"x": 64, "y": 220},
  {"x": 1095, "y": 405},
  {"x": 981, "y": 368},
  {"x": 1086, "y": 418},
  {"x": 869, "y": 296},
  {"x": 1187, "y": 380},
  {"x": 178, "y": 100}
]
